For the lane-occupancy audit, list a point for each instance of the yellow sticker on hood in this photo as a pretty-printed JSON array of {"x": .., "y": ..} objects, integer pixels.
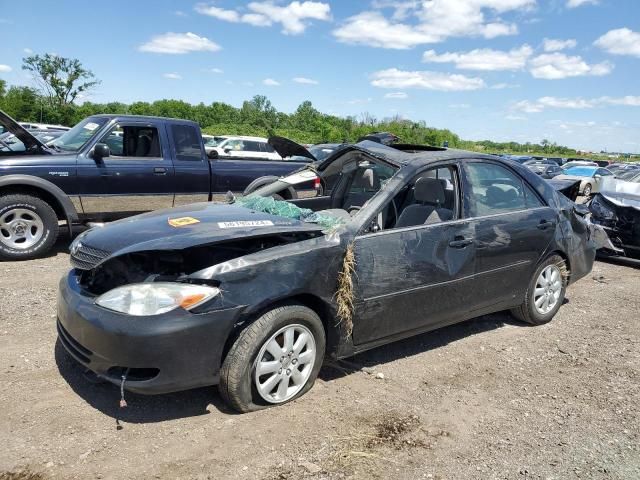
[{"x": 183, "y": 221}]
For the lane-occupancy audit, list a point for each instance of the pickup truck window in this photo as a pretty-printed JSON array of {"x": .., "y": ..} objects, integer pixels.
[
  {"x": 187, "y": 143},
  {"x": 74, "y": 139},
  {"x": 133, "y": 141}
]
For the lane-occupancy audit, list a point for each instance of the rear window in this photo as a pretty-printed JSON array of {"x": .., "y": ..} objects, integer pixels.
[{"x": 187, "y": 143}]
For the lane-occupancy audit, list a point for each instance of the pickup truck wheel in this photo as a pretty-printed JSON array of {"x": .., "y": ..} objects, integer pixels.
[
  {"x": 545, "y": 293},
  {"x": 28, "y": 227},
  {"x": 274, "y": 360}
]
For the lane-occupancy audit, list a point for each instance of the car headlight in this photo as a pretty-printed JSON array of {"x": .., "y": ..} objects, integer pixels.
[
  {"x": 601, "y": 209},
  {"x": 143, "y": 299}
]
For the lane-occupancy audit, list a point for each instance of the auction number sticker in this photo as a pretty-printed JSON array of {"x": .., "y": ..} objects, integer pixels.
[{"x": 246, "y": 223}]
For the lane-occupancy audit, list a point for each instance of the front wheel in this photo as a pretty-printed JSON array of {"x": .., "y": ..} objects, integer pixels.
[
  {"x": 274, "y": 360},
  {"x": 28, "y": 227},
  {"x": 545, "y": 293}
]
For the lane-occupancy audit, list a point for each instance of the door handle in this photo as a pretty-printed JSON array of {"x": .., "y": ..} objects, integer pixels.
[
  {"x": 460, "y": 242},
  {"x": 160, "y": 171},
  {"x": 544, "y": 224}
]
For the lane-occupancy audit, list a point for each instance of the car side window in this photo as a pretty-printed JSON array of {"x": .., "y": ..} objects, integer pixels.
[
  {"x": 251, "y": 146},
  {"x": 132, "y": 141},
  {"x": 266, "y": 148},
  {"x": 604, "y": 172},
  {"x": 492, "y": 189},
  {"x": 186, "y": 143}
]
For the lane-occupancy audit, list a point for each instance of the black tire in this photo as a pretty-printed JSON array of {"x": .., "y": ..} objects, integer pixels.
[
  {"x": 40, "y": 209},
  {"x": 527, "y": 312},
  {"x": 237, "y": 386},
  {"x": 587, "y": 190},
  {"x": 287, "y": 193}
]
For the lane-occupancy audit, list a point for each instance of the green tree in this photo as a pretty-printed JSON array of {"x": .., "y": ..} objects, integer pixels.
[
  {"x": 22, "y": 103},
  {"x": 3, "y": 88},
  {"x": 60, "y": 79}
]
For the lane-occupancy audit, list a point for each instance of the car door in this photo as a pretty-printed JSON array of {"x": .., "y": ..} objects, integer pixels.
[
  {"x": 512, "y": 228},
  {"x": 600, "y": 177},
  {"x": 137, "y": 176},
  {"x": 415, "y": 276}
]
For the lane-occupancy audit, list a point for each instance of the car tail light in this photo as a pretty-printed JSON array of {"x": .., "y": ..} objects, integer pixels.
[{"x": 316, "y": 183}]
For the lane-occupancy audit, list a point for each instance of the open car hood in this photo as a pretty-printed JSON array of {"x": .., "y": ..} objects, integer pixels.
[
  {"x": 192, "y": 225},
  {"x": 10, "y": 125},
  {"x": 621, "y": 193},
  {"x": 569, "y": 188},
  {"x": 289, "y": 148}
]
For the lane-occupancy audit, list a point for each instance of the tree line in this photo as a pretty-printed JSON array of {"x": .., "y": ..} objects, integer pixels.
[{"x": 62, "y": 81}]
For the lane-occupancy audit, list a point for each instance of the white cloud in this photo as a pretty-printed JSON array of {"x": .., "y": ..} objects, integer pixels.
[
  {"x": 270, "y": 82},
  {"x": 305, "y": 81},
  {"x": 179, "y": 43},
  {"x": 621, "y": 41},
  {"x": 294, "y": 17},
  {"x": 417, "y": 23},
  {"x": 554, "y": 66},
  {"x": 5, "y": 68},
  {"x": 577, "y": 3},
  {"x": 459, "y": 105},
  {"x": 180, "y": 13},
  {"x": 215, "y": 70},
  {"x": 539, "y": 105},
  {"x": 555, "y": 45},
  {"x": 515, "y": 117},
  {"x": 359, "y": 101},
  {"x": 28, "y": 51},
  {"x": 483, "y": 59},
  {"x": 502, "y": 86},
  {"x": 396, "y": 95},
  {"x": 172, "y": 76},
  {"x": 446, "y": 82}
]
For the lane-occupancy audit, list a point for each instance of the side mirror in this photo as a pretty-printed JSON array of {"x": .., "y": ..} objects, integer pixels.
[
  {"x": 213, "y": 154},
  {"x": 597, "y": 176},
  {"x": 227, "y": 150},
  {"x": 100, "y": 151}
]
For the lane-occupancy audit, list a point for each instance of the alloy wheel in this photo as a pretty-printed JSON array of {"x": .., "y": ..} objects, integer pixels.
[
  {"x": 20, "y": 228},
  {"x": 284, "y": 363},
  {"x": 548, "y": 289}
]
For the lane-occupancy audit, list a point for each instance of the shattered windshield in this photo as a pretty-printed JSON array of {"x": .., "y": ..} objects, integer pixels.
[
  {"x": 282, "y": 208},
  {"x": 74, "y": 139},
  {"x": 580, "y": 171}
]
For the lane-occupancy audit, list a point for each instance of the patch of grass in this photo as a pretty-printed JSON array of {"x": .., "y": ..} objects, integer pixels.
[
  {"x": 23, "y": 474},
  {"x": 344, "y": 295},
  {"x": 392, "y": 430}
]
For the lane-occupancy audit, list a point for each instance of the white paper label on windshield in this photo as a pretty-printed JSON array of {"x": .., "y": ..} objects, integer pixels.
[
  {"x": 91, "y": 126},
  {"x": 246, "y": 223}
]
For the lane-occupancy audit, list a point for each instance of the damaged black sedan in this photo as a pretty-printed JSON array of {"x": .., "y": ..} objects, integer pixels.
[{"x": 254, "y": 294}]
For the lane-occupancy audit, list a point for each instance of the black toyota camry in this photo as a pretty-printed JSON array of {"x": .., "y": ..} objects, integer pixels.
[{"x": 254, "y": 293}]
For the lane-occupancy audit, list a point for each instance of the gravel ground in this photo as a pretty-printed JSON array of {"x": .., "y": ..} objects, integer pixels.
[{"x": 490, "y": 398}]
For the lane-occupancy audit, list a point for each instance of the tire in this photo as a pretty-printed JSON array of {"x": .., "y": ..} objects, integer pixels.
[
  {"x": 529, "y": 312},
  {"x": 587, "y": 190},
  {"x": 238, "y": 380},
  {"x": 288, "y": 193},
  {"x": 28, "y": 227}
]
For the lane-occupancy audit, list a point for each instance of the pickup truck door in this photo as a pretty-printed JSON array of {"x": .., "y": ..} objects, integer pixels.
[
  {"x": 137, "y": 176},
  {"x": 191, "y": 165}
]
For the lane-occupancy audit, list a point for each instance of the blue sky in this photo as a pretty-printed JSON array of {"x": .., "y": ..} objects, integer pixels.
[{"x": 523, "y": 70}]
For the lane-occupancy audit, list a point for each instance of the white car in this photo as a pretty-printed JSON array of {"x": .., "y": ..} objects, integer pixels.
[
  {"x": 591, "y": 178},
  {"x": 42, "y": 126},
  {"x": 244, "y": 147}
]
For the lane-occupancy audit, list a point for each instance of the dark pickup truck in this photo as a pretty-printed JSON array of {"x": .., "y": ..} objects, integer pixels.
[{"x": 108, "y": 167}]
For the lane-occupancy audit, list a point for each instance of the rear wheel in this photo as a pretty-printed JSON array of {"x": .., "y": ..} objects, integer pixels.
[
  {"x": 28, "y": 227},
  {"x": 545, "y": 293},
  {"x": 274, "y": 360}
]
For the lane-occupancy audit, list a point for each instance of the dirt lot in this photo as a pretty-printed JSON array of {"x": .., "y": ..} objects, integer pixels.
[{"x": 491, "y": 398}]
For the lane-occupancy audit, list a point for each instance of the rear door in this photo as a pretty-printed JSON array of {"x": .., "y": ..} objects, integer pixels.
[
  {"x": 192, "y": 176},
  {"x": 136, "y": 177},
  {"x": 513, "y": 228}
]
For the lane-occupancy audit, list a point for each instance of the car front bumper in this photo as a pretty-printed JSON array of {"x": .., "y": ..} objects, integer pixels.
[{"x": 162, "y": 353}]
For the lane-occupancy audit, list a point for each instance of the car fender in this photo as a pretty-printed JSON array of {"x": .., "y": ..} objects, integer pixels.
[{"x": 60, "y": 196}]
